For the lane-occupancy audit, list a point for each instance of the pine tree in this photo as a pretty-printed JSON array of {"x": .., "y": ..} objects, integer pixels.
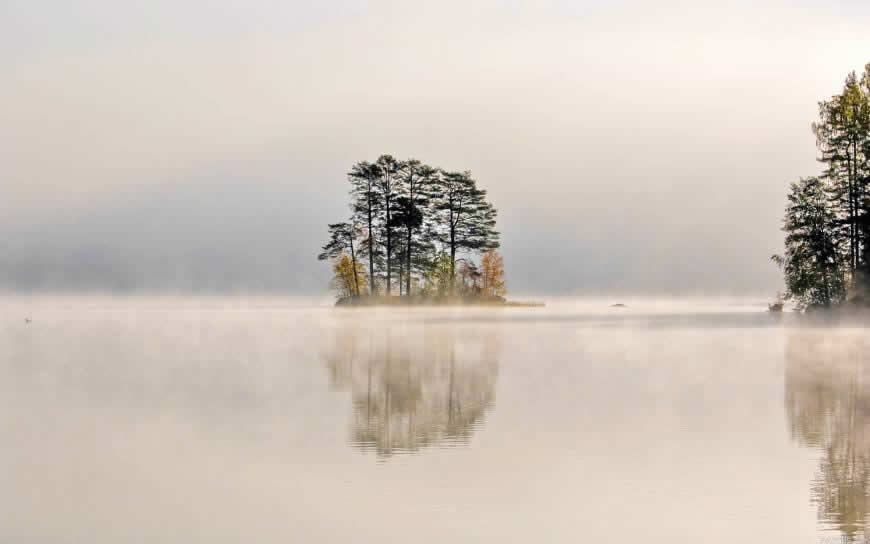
[
  {"x": 413, "y": 210},
  {"x": 467, "y": 220},
  {"x": 367, "y": 205},
  {"x": 387, "y": 184},
  {"x": 843, "y": 138},
  {"x": 813, "y": 261}
]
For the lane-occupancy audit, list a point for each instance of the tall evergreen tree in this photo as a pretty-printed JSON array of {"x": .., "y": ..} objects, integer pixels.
[
  {"x": 367, "y": 205},
  {"x": 843, "y": 137},
  {"x": 467, "y": 219},
  {"x": 399, "y": 261},
  {"x": 387, "y": 184},
  {"x": 813, "y": 260},
  {"x": 412, "y": 209},
  {"x": 864, "y": 182}
]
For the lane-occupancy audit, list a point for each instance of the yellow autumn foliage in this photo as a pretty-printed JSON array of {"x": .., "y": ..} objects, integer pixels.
[
  {"x": 344, "y": 282},
  {"x": 492, "y": 274}
]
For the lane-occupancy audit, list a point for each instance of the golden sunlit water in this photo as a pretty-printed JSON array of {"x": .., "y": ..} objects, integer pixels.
[{"x": 206, "y": 419}]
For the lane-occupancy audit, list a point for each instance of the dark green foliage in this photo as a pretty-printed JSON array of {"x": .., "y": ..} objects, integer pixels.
[
  {"x": 412, "y": 211},
  {"x": 341, "y": 238},
  {"x": 406, "y": 219},
  {"x": 813, "y": 259},
  {"x": 387, "y": 184},
  {"x": 467, "y": 220},
  {"x": 843, "y": 138},
  {"x": 406, "y": 215},
  {"x": 828, "y": 218}
]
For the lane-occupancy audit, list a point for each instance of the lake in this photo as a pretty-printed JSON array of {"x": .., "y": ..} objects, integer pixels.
[{"x": 234, "y": 419}]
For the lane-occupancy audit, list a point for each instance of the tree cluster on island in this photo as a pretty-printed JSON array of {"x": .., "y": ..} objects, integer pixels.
[
  {"x": 411, "y": 232},
  {"x": 827, "y": 219}
]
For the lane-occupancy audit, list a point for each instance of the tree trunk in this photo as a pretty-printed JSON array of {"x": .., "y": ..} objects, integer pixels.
[
  {"x": 389, "y": 257},
  {"x": 389, "y": 247},
  {"x": 401, "y": 272},
  {"x": 408, "y": 263},
  {"x": 372, "y": 291},
  {"x": 452, "y": 259},
  {"x": 857, "y": 204},
  {"x": 850, "y": 164},
  {"x": 353, "y": 263},
  {"x": 825, "y": 283}
]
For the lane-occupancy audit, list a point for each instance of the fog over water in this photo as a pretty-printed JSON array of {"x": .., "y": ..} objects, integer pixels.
[
  {"x": 173, "y": 368},
  {"x": 202, "y": 146},
  {"x": 210, "y": 419}
]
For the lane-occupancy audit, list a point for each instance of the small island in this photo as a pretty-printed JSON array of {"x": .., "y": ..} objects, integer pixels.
[{"x": 412, "y": 236}]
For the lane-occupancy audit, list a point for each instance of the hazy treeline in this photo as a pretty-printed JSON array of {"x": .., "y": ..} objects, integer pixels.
[
  {"x": 408, "y": 222},
  {"x": 827, "y": 218}
]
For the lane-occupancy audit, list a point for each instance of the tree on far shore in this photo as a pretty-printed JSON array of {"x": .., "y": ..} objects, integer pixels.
[
  {"x": 812, "y": 262},
  {"x": 468, "y": 219},
  {"x": 469, "y": 277},
  {"x": 417, "y": 180},
  {"x": 437, "y": 281},
  {"x": 387, "y": 184},
  {"x": 843, "y": 137},
  {"x": 341, "y": 237},
  {"x": 366, "y": 206},
  {"x": 346, "y": 276},
  {"x": 492, "y": 274}
]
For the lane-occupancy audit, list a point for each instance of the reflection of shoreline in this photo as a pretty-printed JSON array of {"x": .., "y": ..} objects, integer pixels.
[
  {"x": 414, "y": 388},
  {"x": 828, "y": 408}
]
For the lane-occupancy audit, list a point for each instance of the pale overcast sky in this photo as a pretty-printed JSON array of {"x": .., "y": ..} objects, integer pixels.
[{"x": 629, "y": 146}]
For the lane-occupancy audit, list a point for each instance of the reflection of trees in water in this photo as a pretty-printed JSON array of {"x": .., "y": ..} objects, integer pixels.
[
  {"x": 414, "y": 388},
  {"x": 828, "y": 408}
]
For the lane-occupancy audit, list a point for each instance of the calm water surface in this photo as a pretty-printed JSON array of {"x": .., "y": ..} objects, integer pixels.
[{"x": 284, "y": 420}]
